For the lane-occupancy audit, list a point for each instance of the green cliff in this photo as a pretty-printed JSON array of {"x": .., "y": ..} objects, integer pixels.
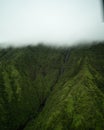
[{"x": 45, "y": 88}]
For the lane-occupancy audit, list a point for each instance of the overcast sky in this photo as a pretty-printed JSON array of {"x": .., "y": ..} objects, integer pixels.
[{"x": 52, "y": 21}]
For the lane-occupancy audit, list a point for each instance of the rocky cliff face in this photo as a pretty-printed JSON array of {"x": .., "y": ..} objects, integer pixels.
[{"x": 43, "y": 88}]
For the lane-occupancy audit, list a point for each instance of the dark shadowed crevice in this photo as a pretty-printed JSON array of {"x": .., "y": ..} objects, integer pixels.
[{"x": 42, "y": 105}]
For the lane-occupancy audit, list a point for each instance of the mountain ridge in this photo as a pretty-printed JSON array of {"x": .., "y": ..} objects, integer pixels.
[{"x": 45, "y": 88}]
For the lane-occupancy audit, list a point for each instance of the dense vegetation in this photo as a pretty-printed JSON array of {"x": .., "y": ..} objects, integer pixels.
[{"x": 44, "y": 88}]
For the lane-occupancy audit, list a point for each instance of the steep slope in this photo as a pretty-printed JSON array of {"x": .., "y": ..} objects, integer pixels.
[{"x": 44, "y": 88}]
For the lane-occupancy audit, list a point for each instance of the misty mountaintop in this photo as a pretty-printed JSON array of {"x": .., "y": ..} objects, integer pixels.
[{"x": 48, "y": 88}]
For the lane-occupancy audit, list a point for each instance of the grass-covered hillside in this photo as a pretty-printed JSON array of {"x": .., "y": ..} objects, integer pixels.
[{"x": 44, "y": 88}]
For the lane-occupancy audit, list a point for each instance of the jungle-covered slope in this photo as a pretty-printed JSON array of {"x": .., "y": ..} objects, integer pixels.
[{"x": 44, "y": 88}]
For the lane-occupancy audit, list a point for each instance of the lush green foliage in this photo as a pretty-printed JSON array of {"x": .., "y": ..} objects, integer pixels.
[{"x": 43, "y": 88}]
